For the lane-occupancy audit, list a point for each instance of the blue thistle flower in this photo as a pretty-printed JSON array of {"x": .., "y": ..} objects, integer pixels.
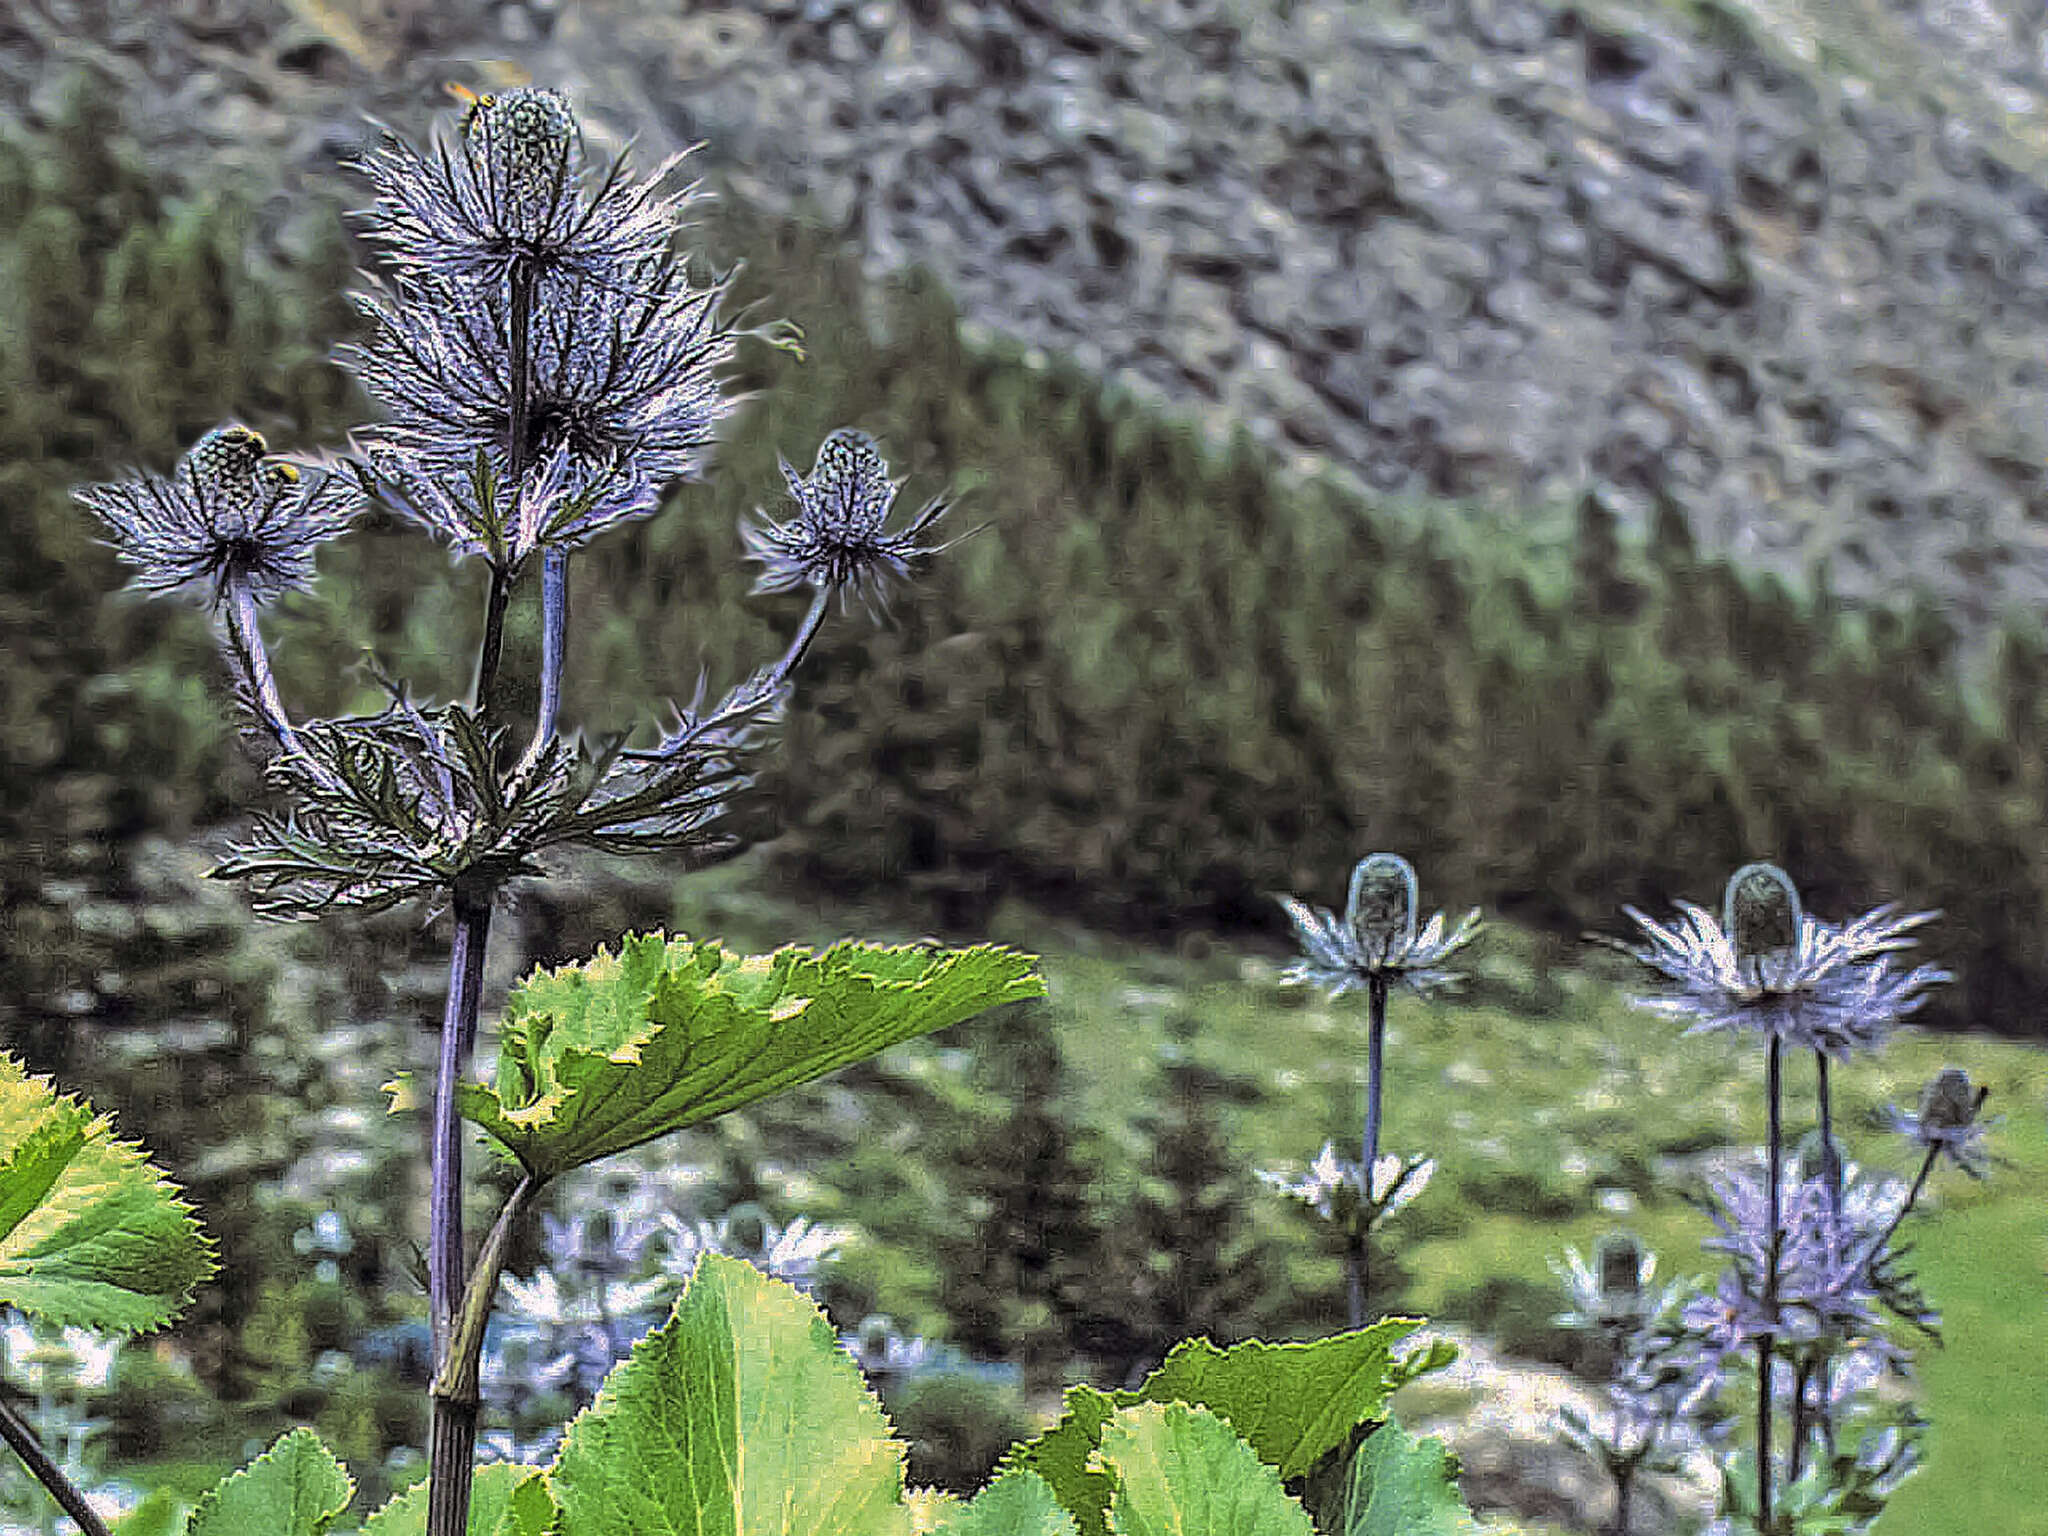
[
  {"x": 1949, "y": 1124},
  {"x": 229, "y": 515},
  {"x": 511, "y": 186},
  {"x": 1377, "y": 935},
  {"x": 1769, "y": 968},
  {"x": 623, "y": 397},
  {"x": 839, "y": 538}
]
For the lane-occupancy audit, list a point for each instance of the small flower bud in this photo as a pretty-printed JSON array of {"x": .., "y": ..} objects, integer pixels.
[
  {"x": 1761, "y": 912},
  {"x": 1950, "y": 1103},
  {"x": 1381, "y": 908}
]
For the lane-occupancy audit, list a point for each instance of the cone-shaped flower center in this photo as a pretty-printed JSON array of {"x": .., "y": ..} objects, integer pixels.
[
  {"x": 1949, "y": 1103},
  {"x": 1381, "y": 908},
  {"x": 526, "y": 138},
  {"x": 1761, "y": 914}
]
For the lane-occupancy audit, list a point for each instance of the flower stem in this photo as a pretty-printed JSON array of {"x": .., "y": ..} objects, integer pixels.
[
  {"x": 458, "y": 1038},
  {"x": 452, "y": 1440},
  {"x": 806, "y": 633},
  {"x": 1766, "y": 1346},
  {"x": 1358, "y": 1256},
  {"x": 22, "y": 1440}
]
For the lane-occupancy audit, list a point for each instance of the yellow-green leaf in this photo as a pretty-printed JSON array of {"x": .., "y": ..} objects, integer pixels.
[
  {"x": 1180, "y": 1472},
  {"x": 604, "y": 1055},
  {"x": 740, "y": 1416},
  {"x": 91, "y": 1234},
  {"x": 296, "y": 1488}
]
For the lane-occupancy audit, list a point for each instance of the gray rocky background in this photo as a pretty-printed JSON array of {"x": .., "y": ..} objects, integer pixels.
[{"x": 1780, "y": 260}]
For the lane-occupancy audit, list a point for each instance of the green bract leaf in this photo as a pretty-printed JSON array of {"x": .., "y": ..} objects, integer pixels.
[
  {"x": 91, "y": 1235},
  {"x": 1015, "y": 1504},
  {"x": 1293, "y": 1404},
  {"x": 599, "y": 1057},
  {"x": 739, "y": 1416},
  {"x": 1402, "y": 1486},
  {"x": 1180, "y": 1471},
  {"x": 504, "y": 1500},
  {"x": 296, "y": 1488}
]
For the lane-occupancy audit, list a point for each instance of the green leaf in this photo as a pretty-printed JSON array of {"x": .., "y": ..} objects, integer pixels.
[
  {"x": 504, "y": 1500},
  {"x": 1181, "y": 1472},
  {"x": 296, "y": 1488},
  {"x": 601, "y": 1056},
  {"x": 1293, "y": 1404},
  {"x": 161, "y": 1513},
  {"x": 739, "y": 1416},
  {"x": 1402, "y": 1486},
  {"x": 1015, "y": 1504},
  {"x": 91, "y": 1235}
]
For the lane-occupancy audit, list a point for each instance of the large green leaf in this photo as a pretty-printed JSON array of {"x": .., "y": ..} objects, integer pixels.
[
  {"x": 739, "y": 1416},
  {"x": 1402, "y": 1486},
  {"x": 91, "y": 1234},
  {"x": 504, "y": 1500},
  {"x": 1293, "y": 1404},
  {"x": 1015, "y": 1504},
  {"x": 1180, "y": 1471},
  {"x": 296, "y": 1488},
  {"x": 601, "y": 1056}
]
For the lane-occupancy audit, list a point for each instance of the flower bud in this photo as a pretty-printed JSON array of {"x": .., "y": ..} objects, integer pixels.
[
  {"x": 1381, "y": 908},
  {"x": 1950, "y": 1103},
  {"x": 1761, "y": 912}
]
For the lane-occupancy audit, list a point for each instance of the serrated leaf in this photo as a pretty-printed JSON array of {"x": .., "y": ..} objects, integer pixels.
[
  {"x": 296, "y": 1488},
  {"x": 504, "y": 1500},
  {"x": 1180, "y": 1471},
  {"x": 602, "y": 1056},
  {"x": 1402, "y": 1486},
  {"x": 91, "y": 1234},
  {"x": 1015, "y": 1504},
  {"x": 1293, "y": 1404},
  {"x": 739, "y": 1416}
]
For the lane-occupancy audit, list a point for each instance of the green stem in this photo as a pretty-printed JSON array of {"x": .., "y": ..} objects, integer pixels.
[{"x": 456, "y": 1388}]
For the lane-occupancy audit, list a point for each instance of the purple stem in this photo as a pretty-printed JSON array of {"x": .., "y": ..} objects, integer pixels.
[
  {"x": 1766, "y": 1346},
  {"x": 22, "y": 1440}
]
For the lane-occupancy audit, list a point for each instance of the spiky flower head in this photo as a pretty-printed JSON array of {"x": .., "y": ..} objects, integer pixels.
[
  {"x": 1770, "y": 968},
  {"x": 1950, "y": 1123},
  {"x": 228, "y": 515},
  {"x": 839, "y": 538},
  {"x": 1336, "y": 1189},
  {"x": 1613, "y": 1293},
  {"x": 510, "y": 190},
  {"x": 623, "y": 396},
  {"x": 1376, "y": 937}
]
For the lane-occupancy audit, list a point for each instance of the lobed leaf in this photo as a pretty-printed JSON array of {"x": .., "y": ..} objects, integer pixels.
[
  {"x": 1179, "y": 1470},
  {"x": 1292, "y": 1404},
  {"x": 739, "y": 1416},
  {"x": 296, "y": 1488},
  {"x": 604, "y": 1055},
  {"x": 91, "y": 1234}
]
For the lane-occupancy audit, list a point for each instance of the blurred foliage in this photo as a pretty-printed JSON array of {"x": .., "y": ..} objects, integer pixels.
[{"x": 957, "y": 1426}]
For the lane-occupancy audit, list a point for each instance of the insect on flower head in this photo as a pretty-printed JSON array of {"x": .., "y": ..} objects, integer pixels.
[{"x": 229, "y": 515}]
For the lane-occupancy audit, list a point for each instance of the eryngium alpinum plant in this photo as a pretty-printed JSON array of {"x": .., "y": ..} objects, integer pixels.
[{"x": 545, "y": 367}]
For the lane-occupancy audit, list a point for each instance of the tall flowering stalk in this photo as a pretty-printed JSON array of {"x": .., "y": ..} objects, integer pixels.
[
  {"x": 1809, "y": 1242},
  {"x": 1373, "y": 945},
  {"x": 544, "y": 368}
]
